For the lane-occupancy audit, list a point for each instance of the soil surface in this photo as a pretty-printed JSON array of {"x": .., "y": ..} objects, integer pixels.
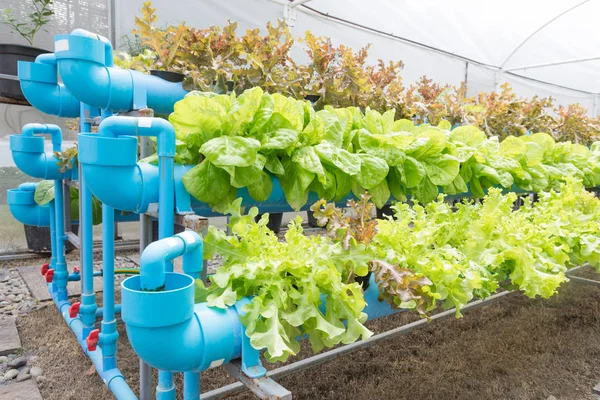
[{"x": 515, "y": 348}]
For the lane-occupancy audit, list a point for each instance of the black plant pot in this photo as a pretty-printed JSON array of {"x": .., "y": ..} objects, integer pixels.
[
  {"x": 312, "y": 221},
  {"x": 10, "y": 54},
  {"x": 38, "y": 238},
  {"x": 364, "y": 280},
  {"x": 176, "y": 229},
  {"x": 385, "y": 211},
  {"x": 168, "y": 76},
  {"x": 274, "y": 223},
  {"x": 313, "y": 98}
]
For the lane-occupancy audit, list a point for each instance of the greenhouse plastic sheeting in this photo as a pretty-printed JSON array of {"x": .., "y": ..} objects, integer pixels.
[
  {"x": 540, "y": 47},
  {"x": 434, "y": 38}
]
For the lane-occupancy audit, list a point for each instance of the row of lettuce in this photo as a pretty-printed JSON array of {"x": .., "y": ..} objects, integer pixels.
[
  {"x": 430, "y": 255},
  {"x": 247, "y": 140}
]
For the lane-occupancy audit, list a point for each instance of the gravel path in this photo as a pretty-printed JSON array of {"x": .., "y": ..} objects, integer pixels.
[
  {"x": 16, "y": 301},
  {"x": 15, "y": 298}
]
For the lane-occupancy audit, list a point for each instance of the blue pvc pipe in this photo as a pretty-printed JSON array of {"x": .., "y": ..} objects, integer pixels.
[
  {"x": 111, "y": 128},
  {"x": 22, "y": 205},
  {"x": 193, "y": 337},
  {"x": 112, "y": 378},
  {"x": 158, "y": 254},
  {"x": 75, "y": 277},
  {"x": 60, "y": 270},
  {"x": 39, "y": 84},
  {"x": 88, "y": 307},
  {"x": 29, "y": 155},
  {"x": 109, "y": 334},
  {"x": 85, "y": 67},
  {"x": 52, "y": 217},
  {"x": 108, "y": 50},
  {"x": 166, "y": 201},
  {"x": 100, "y": 310},
  {"x": 191, "y": 385}
]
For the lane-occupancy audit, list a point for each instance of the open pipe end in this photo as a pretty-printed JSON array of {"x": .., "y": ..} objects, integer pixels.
[
  {"x": 39, "y": 83},
  {"x": 113, "y": 175},
  {"x": 24, "y": 209},
  {"x": 151, "y": 309}
]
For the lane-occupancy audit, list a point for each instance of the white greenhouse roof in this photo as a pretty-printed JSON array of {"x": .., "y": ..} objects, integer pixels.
[
  {"x": 554, "y": 41},
  {"x": 543, "y": 47}
]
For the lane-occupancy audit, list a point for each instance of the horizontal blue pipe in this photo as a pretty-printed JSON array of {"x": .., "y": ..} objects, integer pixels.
[
  {"x": 75, "y": 277},
  {"x": 112, "y": 378},
  {"x": 192, "y": 336},
  {"x": 100, "y": 310},
  {"x": 134, "y": 185},
  {"x": 85, "y": 67},
  {"x": 138, "y": 182}
]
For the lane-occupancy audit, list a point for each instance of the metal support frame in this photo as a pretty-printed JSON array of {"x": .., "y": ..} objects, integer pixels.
[
  {"x": 335, "y": 353},
  {"x": 289, "y": 11},
  {"x": 578, "y": 279},
  {"x": 264, "y": 388},
  {"x": 584, "y": 280},
  {"x": 535, "y": 32},
  {"x": 554, "y": 63}
]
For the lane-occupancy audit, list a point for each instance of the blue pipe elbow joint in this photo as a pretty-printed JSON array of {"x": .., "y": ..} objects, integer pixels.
[
  {"x": 23, "y": 207},
  {"x": 164, "y": 326},
  {"x": 113, "y": 152},
  {"x": 87, "y": 72},
  {"x": 29, "y": 155},
  {"x": 132, "y": 186},
  {"x": 170, "y": 333},
  {"x": 39, "y": 83}
]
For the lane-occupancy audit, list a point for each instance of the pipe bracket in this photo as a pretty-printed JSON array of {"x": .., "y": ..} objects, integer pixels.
[{"x": 251, "y": 364}]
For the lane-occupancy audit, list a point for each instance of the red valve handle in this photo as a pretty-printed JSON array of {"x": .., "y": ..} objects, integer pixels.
[
  {"x": 44, "y": 268},
  {"x": 92, "y": 340},
  {"x": 50, "y": 275},
  {"x": 74, "y": 309},
  {"x": 76, "y": 269}
]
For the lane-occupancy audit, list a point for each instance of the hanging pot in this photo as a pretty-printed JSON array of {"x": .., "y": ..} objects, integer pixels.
[
  {"x": 38, "y": 238},
  {"x": 10, "y": 54}
]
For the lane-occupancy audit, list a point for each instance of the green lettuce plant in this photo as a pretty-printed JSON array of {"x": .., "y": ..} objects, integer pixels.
[
  {"x": 429, "y": 255},
  {"x": 249, "y": 140}
]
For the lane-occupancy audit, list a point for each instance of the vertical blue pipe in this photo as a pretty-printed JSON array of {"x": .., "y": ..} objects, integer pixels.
[
  {"x": 60, "y": 271},
  {"x": 87, "y": 311},
  {"x": 53, "y": 239},
  {"x": 191, "y": 385},
  {"x": 166, "y": 209},
  {"x": 166, "y": 201},
  {"x": 108, "y": 261},
  {"x": 109, "y": 334}
]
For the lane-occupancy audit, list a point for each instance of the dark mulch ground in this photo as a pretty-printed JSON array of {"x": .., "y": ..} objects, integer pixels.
[{"x": 516, "y": 348}]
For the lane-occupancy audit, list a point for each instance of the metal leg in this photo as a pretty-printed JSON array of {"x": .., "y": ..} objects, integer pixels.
[{"x": 264, "y": 388}]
